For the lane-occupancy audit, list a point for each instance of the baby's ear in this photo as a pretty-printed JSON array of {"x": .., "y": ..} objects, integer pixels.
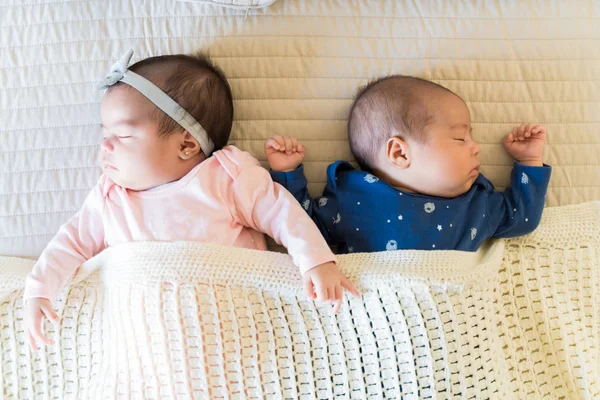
[
  {"x": 397, "y": 152},
  {"x": 188, "y": 146}
]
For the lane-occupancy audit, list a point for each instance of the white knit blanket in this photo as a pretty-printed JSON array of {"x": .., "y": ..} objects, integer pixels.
[{"x": 517, "y": 320}]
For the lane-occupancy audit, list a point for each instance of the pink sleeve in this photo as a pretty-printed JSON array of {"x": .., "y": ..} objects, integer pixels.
[
  {"x": 77, "y": 240},
  {"x": 266, "y": 206}
]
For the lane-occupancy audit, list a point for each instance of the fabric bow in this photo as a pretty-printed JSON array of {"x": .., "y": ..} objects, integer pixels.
[{"x": 117, "y": 71}]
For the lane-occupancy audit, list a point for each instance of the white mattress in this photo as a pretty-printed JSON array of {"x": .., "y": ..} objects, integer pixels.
[{"x": 293, "y": 67}]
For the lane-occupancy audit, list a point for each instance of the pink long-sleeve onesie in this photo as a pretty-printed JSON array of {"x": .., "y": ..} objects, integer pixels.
[{"x": 228, "y": 199}]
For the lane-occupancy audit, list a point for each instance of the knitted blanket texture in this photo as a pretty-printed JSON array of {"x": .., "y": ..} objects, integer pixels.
[{"x": 519, "y": 319}]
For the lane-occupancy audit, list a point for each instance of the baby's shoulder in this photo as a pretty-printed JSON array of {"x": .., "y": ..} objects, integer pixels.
[
  {"x": 341, "y": 167},
  {"x": 233, "y": 160},
  {"x": 342, "y": 174}
]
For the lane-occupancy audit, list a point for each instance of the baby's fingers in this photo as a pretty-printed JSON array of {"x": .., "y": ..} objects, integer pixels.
[
  {"x": 510, "y": 137},
  {"x": 338, "y": 292},
  {"x": 36, "y": 331},
  {"x": 309, "y": 288},
  {"x": 513, "y": 135},
  {"x": 337, "y": 304},
  {"x": 349, "y": 286},
  {"x": 538, "y": 129},
  {"x": 338, "y": 298},
  {"x": 271, "y": 144},
  {"x": 294, "y": 143},
  {"x": 276, "y": 142},
  {"x": 331, "y": 295},
  {"x": 289, "y": 146},
  {"x": 521, "y": 132},
  {"x": 321, "y": 293},
  {"x": 50, "y": 314}
]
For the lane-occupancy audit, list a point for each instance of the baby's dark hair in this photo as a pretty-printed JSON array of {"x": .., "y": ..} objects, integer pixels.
[
  {"x": 197, "y": 85},
  {"x": 394, "y": 105}
]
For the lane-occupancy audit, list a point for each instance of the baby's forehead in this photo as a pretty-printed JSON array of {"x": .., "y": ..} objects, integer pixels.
[
  {"x": 123, "y": 102},
  {"x": 452, "y": 119},
  {"x": 122, "y": 91},
  {"x": 453, "y": 108}
]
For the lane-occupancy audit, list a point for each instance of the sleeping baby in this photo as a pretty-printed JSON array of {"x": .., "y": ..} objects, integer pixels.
[
  {"x": 168, "y": 175},
  {"x": 420, "y": 186}
]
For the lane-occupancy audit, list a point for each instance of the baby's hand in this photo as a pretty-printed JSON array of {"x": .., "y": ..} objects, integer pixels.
[
  {"x": 525, "y": 143},
  {"x": 284, "y": 154},
  {"x": 35, "y": 310},
  {"x": 326, "y": 283}
]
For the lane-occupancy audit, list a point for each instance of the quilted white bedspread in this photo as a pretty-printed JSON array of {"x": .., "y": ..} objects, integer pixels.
[{"x": 293, "y": 67}]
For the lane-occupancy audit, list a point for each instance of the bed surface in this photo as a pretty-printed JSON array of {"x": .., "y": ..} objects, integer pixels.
[{"x": 293, "y": 67}]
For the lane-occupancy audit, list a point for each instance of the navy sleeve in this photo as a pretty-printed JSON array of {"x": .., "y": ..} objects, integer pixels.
[
  {"x": 322, "y": 209},
  {"x": 518, "y": 210}
]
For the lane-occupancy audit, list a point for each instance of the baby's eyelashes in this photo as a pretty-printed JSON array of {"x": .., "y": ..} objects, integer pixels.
[{"x": 120, "y": 137}]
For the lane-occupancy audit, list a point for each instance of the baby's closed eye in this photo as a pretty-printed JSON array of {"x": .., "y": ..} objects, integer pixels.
[{"x": 119, "y": 136}]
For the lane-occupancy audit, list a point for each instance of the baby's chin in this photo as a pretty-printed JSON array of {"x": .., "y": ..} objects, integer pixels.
[
  {"x": 465, "y": 188},
  {"x": 455, "y": 191},
  {"x": 462, "y": 187},
  {"x": 117, "y": 178}
]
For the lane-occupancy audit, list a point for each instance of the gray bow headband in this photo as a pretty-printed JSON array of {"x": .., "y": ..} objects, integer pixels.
[{"x": 120, "y": 73}]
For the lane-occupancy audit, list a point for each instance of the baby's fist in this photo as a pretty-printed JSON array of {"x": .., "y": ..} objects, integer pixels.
[
  {"x": 525, "y": 143},
  {"x": 284, "y": 154}
]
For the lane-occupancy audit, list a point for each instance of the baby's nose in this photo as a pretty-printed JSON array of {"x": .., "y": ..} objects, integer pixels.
[
  {"x": 476, "y": 149},
  {"x": 106, "y": 146}
]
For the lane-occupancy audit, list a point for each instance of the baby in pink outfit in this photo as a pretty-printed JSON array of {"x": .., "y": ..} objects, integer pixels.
[{"x": 168, "y": 175}]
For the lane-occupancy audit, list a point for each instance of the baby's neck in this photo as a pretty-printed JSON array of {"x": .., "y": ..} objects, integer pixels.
[
  {"x": 408, "y": 188},
  {"x": 179, "y": 173},
  {"x": 393, "y": 182}
]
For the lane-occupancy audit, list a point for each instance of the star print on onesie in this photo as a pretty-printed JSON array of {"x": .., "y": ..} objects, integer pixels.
[{"x": 361, "y": 212}]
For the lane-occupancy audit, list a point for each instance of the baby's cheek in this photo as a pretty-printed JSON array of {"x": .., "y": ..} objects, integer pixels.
[
  {"x": 441, "y": 166},
  {"x": 450, "y": 172},
  {"x": 136, "y": 166}
]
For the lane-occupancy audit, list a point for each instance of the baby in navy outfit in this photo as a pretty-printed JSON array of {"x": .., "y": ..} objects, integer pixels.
[{"x": 420, "y": 186}]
